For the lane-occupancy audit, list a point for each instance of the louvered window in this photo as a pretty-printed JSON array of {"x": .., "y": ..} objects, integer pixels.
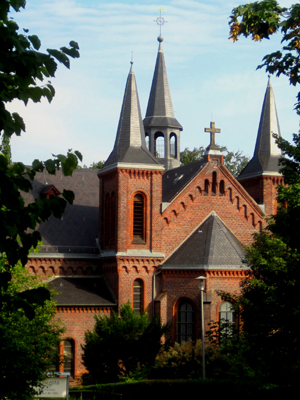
[
  {"x": 138, "y": 296},
  {"x": 138, "y": 217}
]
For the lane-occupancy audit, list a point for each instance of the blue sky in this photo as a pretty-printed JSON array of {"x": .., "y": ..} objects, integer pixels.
[{"x": 209, "y": 76}]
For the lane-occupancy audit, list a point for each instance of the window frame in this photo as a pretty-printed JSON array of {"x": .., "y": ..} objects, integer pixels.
[
  {"x": 139, "y": 212},
  {"x": 182, "y": 317},
  {"x": 141, "y": 287}
]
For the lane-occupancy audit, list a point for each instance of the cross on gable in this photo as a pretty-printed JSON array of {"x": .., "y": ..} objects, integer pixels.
[{"x": 212, "y": 131}]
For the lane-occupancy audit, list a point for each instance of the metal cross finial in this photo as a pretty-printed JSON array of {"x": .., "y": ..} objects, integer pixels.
[
  {"x": 160, "y": 20},
  {"x": 212, "y": 131}
]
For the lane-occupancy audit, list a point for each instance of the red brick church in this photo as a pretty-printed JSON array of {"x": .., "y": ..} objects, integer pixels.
[{"x": 144, "y": 227}]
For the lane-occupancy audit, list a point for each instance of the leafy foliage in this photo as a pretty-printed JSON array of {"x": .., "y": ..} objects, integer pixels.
[
  {"x": 23, "y": 71},
  {"x": 225, "y": 361},
  {"x": 233, "y": 161},
  {"x": 121, "y": 343},
  {"x": 262, "y": 19},
  {"x": 270, "y": 294},
  {"x": 26, "y": 344},
  {"x": 97, "y": 165}
]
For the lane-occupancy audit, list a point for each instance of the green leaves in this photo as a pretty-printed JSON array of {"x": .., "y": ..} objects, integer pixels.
[
  {"x": 62, "y": 55},
  {"x": 119, "y": 344},
  {"x": 233, "y": 161},
  {"x": 35, "y": 41},
  {"x": 28, "y": 332},
  {"x": 262, "y": 19}
]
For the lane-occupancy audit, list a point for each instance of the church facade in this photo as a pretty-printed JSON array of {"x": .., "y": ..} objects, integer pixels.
[{"x": 143, "y": 228}]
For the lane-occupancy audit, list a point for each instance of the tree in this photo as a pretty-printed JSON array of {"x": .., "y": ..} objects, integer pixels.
[
  {"x": 26, "y": 344},
  {"x": 25, "y": 329},
  {"x": 233, "y": 161},
  {"x": 23, "y": 69},
  {"x": 262, "y": 19},
  {"x": 270, "y": 295},
  {"x": 97, "y": 165},
  {"x": 121, "y": 343}
]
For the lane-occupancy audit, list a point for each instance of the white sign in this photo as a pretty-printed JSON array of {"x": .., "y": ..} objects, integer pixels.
[{"x": 56, "y": 387}]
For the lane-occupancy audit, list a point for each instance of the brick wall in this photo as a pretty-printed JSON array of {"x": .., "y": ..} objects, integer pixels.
[{"x": 192, "y": 206}]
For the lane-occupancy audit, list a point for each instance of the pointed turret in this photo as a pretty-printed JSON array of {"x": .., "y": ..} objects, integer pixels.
[
  {"x": 266, "y": 153},
  {"x": 130, "y": 145},
  {"x": 161, "y": 126},
  {"x": 261, "y": 175}
]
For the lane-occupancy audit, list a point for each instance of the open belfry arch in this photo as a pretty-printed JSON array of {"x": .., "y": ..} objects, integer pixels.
[{"x": 144, "y": 227}]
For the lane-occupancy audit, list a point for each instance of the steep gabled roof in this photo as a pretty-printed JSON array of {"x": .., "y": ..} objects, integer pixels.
[
  {"x": 174, "y": 180},
  {"x": 78, "y": 229},
  {"x": 130, "y": 145},
  {"x": 160, "y": 108},
  {"x": 266, "y": 153},
  {"x": 211, "y": 246}
]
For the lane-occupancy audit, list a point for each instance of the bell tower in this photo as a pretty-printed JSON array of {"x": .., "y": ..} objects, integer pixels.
[
  {"x": 261, "y": 175},
  {"x": 162, "y": 129},
  {"x": 129, "y": 207}
]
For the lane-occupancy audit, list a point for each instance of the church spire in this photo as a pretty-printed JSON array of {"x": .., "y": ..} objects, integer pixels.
[
  {"x": 266, "y": 153},
  {"x": 161, "y": 127},
  {"x": 160, "y": 108},
  {"x": 130, "y": 146}
]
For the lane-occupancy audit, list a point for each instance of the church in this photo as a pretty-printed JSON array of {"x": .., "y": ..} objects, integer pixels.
[{"x": 144, "y": 227}]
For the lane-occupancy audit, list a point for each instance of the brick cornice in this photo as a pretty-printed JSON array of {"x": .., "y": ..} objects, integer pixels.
[{"x": 82, "y": 309}]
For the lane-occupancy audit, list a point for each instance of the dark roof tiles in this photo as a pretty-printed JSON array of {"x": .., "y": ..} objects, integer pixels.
[
  {"x": 81, "y": 291},
  {"x": 130, "y": 145},
  {"x": 211, "y": 245},
  {"x": 266, "y": 153}
]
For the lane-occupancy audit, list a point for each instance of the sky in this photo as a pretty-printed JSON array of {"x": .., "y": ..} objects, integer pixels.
[{"x": 210, "y": 77}]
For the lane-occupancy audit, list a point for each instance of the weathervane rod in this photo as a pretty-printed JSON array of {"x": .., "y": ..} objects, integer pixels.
[{"x": 160, "y": 20}]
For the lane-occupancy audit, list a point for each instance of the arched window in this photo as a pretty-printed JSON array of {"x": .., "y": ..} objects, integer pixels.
[
  {"x": 147, "y": 138},
  {"x": 138, "y": 217},
  {"x": 159, "y": 148},
  {"x": 222, "y": 188},
  {"x": 230, "y": 194},
  {"x": 206, "y": 187},
  {"x": 112, "y": 219},
  {"x": 138, "y": 300},
  {"x": 245, "y": 211},
  {"x": 69, "y": 356},
  {"x": 214, "y": 183},
  {"x": 226, "y": 319},
  {"x": 106, "y": 219},
  {"x": 173, "y": 145},
  {"x": 185, "y": 321}
]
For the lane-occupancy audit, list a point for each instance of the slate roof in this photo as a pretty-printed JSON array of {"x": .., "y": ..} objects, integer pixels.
[
  {"x": 81, "y": 291},
  {"x": 77, "y": 231},
  {"x": 174, "y": 180},
  {"x": 211, "y": 246},
  {"x": 266, "y": 153},
  {"x": 130, "y": 145},
  {"x": 160, "y": 108}
]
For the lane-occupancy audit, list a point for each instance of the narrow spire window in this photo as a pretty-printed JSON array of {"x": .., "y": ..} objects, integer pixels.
[
  {"x": 173, "y": 145},
  {"x": 159, "y": 145},
  {"x": 147, "y": 138},
  {"x": 138, "y": 217}
]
